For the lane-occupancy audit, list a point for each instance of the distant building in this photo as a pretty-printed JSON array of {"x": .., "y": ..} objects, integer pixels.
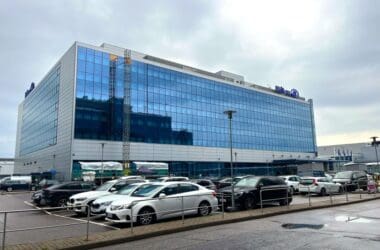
[
  {"x": 349, "y": 156},
  {"x": 111, "y": 103},
  {"x": 6, "y": 166}
]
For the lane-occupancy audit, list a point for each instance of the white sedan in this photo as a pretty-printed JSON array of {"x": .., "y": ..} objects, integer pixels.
[
  {"x": 319, "y": 185},
  {"x": 158, "y": 201},
  {"x": 98, "y": 207},
  {"x": 79, "y": 202}
]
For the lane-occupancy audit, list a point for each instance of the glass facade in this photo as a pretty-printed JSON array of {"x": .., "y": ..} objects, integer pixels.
[
  {"x": 99, "y": 95},
  {"x": 171, "y": 107},
  {"x": 40, "y": 115}
]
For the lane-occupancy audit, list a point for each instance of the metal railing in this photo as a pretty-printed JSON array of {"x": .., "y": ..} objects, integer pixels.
[
  {"x": 276, "y": 199},
  {"x": 6, "y": 213}
]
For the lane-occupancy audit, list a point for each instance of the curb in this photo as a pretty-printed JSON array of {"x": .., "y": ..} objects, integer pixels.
[{"x": 92, "y": 245}]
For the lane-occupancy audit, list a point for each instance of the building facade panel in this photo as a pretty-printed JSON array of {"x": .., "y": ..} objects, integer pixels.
[{"x": 53, "y": 152}]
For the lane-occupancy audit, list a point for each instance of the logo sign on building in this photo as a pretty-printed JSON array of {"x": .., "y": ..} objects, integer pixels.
[
  {"x": 292, "y": 93},
  {"x": 27, "y": 92}
]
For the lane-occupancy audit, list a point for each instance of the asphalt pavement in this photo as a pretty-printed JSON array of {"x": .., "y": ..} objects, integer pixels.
[
  {"x": 34, "y": 219},
  {"x": 345, "y": 227}
]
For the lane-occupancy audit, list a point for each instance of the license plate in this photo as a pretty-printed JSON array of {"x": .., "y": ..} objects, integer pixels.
[
  {"x": 223, "y": 200},
  {"x": 109, "y": 216}
]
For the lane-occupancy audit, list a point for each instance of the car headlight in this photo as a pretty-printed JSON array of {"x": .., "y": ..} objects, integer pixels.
[
  {"x": 106, "y": 203},
  {"x": 239, "y": 194}
]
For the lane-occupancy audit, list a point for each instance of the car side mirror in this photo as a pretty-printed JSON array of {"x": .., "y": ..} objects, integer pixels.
[
  {"x": 260, "y": 185},
  {"x": 112, "y": 189},
  {"x": 94, "y": 188},
  {"x": 161, "y": 196}
]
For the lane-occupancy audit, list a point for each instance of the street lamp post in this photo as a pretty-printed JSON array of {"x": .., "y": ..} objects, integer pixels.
[
  {"x": 101, "y": 175},
  {"x": 229, "y": 114},
  {"x": 54, "y": 161},
  {"x": 375, "y": 143}
]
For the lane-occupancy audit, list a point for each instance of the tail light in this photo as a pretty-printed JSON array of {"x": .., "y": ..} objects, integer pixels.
[
  {"x": 315, "y": 182},
  {"x": 213, "y": 194}
]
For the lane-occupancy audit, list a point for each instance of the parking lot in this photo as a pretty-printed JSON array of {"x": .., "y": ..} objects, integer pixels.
[{"x": 68, "y": 221}]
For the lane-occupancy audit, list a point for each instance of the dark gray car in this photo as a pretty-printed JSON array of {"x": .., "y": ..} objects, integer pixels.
[{"x": 352, "y": 180}]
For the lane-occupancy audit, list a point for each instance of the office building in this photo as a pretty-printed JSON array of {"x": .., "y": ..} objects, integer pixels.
[{"x": 114, "y": 104}]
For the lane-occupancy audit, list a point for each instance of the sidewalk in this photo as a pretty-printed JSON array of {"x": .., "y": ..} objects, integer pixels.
[{"x": 161, "y": 228}]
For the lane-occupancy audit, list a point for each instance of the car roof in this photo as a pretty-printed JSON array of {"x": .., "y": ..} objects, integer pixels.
[{"x": 172, "y": 182}]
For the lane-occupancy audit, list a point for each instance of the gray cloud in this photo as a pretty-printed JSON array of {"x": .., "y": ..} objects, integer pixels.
[{"x": 335, "y": 63}]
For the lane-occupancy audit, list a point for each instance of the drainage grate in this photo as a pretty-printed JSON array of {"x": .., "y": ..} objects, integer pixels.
[{"x": 296, "y": 226}]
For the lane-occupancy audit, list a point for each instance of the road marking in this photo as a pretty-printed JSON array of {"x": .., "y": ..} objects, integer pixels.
[
  {"x": 37, "y": 207},
  {"x": 85, "y": 221},
  {"x": 76, "y": 219}
]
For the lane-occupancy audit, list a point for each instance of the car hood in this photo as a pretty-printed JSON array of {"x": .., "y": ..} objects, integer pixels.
[
  {"x": 112, "y": 197},
  {"x": 90, "y": 194},
  {"x": 128, "y": 200}
]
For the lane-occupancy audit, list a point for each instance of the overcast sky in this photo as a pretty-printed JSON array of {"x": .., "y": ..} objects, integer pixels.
[{"x": 328, "y": 50}]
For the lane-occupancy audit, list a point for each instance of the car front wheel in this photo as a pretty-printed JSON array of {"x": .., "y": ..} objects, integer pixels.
[
  {"x": 146, "y": 216},
  {"x": 62, "y": 202},
  {"x": 248, "y": 203}
]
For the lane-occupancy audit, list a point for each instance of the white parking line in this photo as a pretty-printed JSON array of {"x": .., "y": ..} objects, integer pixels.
[
  {"x": 36, "y": 207},
  {"x": 76, "y": 219}
]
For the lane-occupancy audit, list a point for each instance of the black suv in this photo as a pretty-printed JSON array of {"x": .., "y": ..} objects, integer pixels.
[
  {"x": 247, "y": 192},
  {"x": 58, "y": 195},
  {"x": 353, "y": 179}
]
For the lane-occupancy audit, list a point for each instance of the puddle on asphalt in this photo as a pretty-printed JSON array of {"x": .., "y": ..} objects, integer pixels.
[
  {"x": 345, "y": 218},
  {"x": 296, "y": 226}
]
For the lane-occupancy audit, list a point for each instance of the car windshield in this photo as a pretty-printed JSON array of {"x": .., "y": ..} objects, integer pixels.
[
  {"x": 343, "y": 175},
  {"x": 237, "y": 179},
  {"x": 56, "y": 186},
  {"x": 127, "y": 190},
  {"x": 106, "y": 186},
  {"x": 247, "y": 182},
  {"x": 146, "y": 190}
]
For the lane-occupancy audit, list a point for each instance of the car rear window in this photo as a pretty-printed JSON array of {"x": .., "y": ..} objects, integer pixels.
[{"x": 307, "y": 181}]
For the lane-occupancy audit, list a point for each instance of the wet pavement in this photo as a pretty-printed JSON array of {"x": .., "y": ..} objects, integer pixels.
[
  {"x": 345, "y": 227},
  {"x": 34, "y": 219}
]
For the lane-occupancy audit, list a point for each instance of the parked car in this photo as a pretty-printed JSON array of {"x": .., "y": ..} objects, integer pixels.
[
  {"x": 205, "y": 183},
  {"x": 79, "y": 202},
  {"x": 132, "y": 177},
  {"x": 58, "y": 195},
  {"x": 44, "y": 183},
  {"x": 352, "y": 179},
  {"x": 292, "y": 181},
  {"x": 156, "y": 201},
  {"x": 318, "y": 185},
  {"x": 98, "y": 207},
  {"x": 171, "y": 179},
  {"x": 226, "y": 182},
  {"x": 247, "y": 192},
  {"x": 14, "y": 184}
]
